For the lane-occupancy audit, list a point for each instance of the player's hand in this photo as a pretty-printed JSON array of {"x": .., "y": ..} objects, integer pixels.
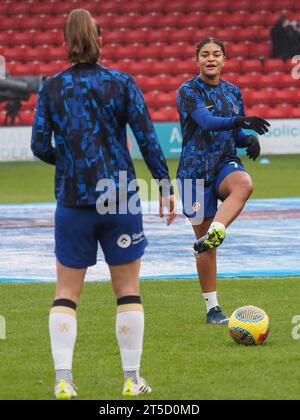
[
  {"x": 170, "y": 203},
  {"x": 257, "y": 124},
  {"x": 253, "y": 147}
]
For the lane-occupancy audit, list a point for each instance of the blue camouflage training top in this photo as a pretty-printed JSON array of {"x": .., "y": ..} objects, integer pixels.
[
  {"x": 206, "y": 149},
  {"x": 87, "y": 108}
]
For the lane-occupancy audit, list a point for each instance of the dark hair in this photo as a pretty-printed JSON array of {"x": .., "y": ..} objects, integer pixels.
[
  {"x": 281, "y": 21},
  {"x": 82, "y": 36},
  {"x": 210, "y": 40}
]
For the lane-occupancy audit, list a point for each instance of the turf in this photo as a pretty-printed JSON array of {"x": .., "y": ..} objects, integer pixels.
[
  {"x": 183, "y": 357},
  {"x": 33, "y": 181}
]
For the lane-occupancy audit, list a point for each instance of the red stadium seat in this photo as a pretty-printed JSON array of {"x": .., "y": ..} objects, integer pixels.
[
  {"x": 56, "y": 53},
  {"x": 32, "y": 22},
  {"x": 61, "y": 8},
  {"x": 251, "y": 66},
  {"x": 165, "y": 114},
  {"x": 261, "y": 5},
  {"x": 151, "y": 98},
  {"x": 22, "y": 38},
  {"x": 175, "y": 6},
  {"x": 257, "y": 110},
  {"x": 12, "y": 23},
  {"x": 18, "y": 8},
  {"x": 268, "y": 80},
  {"x": 237, "y": 5},
  {"x": 54, "y": 22},
  {"x": 2, "y": 117},
  {"x": 263, "y": 96},
  {"x": 150, "y": 51},
  {"x": 232, "y": 66},
  {"x": 259, "y": 18},
  {"x": 237, "y": 50},
  {"x": 145, "y": 21},
  {"x": 26, "y": 69},
  {"x": 152, "y": 83},
  {"x": 26, "y": 118},
  {"x": 132, "y": 7},
  {"x": 163, "y": 21},
  {"x": 167, "y": 98},
  {"x": 5, "y": 39},
  {"x": 287, "y": 81},
  {"x": 217, "y": 5},
  {"x": 262, "y": 34},
  {"x": 140, "y": 67},
  {"x": 281, "y": 96},
  {"x": 213, "y": 20},
  {"x": 38, "y": 8},
  {"x": 246, "y": 80},
  {"x": 282, "y": 5},
  {"x": 180, "y": 35},
  {"x": 246, "y": 34},
  {"x": 15, "y": 53},
  {"x": 153, "y": 6},
  {"x": 184, "y": 67},
  {"x": 274, "y": 65},
  {"x": 36, "y": 54},
  {"x": 228, "y": 34},
  {"x": 122, "y": 21},
  {"x": 275, "y": 113},
  {"x": 195, "y": 6},
  {"x": 295, "y": 112},
  {"x": 230, "y": 20},
  {"x": 139, "y": 35},
  {"x": 263, "y": 50},
  {"x": 159, "y": 35},
  {"x": 52, "y": 37},
  {"x": 161, "y": 67},
  {"x": 230, "y": 77},
  {"x": 191, "y": 20},
  {"x": 48, "y": 69},
  {"x": 4, "y": 9},
  {"x": 115, "y": 36}
]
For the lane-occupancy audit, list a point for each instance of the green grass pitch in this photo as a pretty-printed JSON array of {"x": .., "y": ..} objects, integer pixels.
[
  {"x": 33, "y": 181},
  {"x": 183, "y": 357}
]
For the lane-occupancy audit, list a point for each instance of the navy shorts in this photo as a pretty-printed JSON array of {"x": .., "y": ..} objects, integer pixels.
[
  {"x": 79, "y": 230},
  {"x": 207, "y": 206}
]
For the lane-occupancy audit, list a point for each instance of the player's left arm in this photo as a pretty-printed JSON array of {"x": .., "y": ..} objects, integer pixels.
[
  {"x": 142, "y": 126},
  {"x": 42, "y": 131},
  {"x": 243, "y": 140}
]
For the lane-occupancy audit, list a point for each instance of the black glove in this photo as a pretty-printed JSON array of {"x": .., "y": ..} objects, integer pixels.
[
  {"x": 253, "y": 147},
  {"x": 253, "y": 123}
]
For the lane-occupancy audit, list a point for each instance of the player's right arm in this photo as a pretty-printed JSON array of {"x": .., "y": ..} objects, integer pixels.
[{"x": 42, "y": 130}]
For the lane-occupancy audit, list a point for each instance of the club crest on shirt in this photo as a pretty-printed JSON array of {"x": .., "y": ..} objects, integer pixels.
[{"x": 235, "y": 109}]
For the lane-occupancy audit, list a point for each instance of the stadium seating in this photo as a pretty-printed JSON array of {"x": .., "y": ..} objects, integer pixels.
[{"x": 155, "y": 42}]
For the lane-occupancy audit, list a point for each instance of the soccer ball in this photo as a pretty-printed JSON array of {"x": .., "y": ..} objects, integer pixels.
[{"x": 249, "y": 325}]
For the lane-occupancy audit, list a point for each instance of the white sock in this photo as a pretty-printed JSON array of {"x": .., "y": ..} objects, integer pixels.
[
  {"x": 130, "y": 333},
  {"x": 211, "y": 300},
  {"x": 215, "y": 225},
  {"x": 63, "y": 332}
]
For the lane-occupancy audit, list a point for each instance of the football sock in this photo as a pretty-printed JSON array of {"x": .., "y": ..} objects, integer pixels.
[
  {"x": 133, "y": 374},
  {"x": 64, "y": 374},
  {"x": 130, "y": 333},
  {"x": 63, "y": 332},
  {"x": 211, "y": 300}
]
